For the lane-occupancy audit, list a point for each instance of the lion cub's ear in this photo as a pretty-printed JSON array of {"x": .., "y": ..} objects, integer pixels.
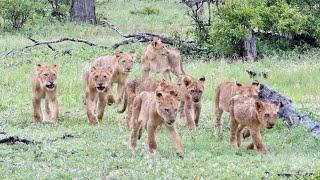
[
  {"x": 110, "y": 70},
  {"x": 38, "y": 67},
  {"x": 238, "y": 84},
  {"x": 118, "y": 54},
  {"x": 186, "y": 81},
  {"x": 259, "y": 105},
  {"x": 55, "y": 67},
  {"x": 255, "y": 83},
  {"x": 133, "y": 53},
  {"x": 155, "y": 41},
  {"x": 93, "y": 68}
]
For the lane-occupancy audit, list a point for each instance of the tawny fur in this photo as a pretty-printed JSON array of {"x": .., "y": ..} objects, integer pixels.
[
  {"x": 44, "y": 87},
  {"x": 191, "y": 91},
  {"x": 224, "y": 92},
  {"x": 137, "y": 85},
  {"x": 254, "y": 114},
  {"x": 156, "y": 58},
  {"x": 98, "y": 89},
  {"x": 154, "y": 109},
  {"x": 121, "y": 64}
]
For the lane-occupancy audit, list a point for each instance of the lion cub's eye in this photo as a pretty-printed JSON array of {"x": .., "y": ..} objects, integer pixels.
[
  {"x": 105, "y": 76},
  {"x": 53, "y": 74},
  {"x": 123, "y": 61},
  {"x": 46, "y": 74},
  {"x": 96, "y": 77},
  {"x": 200, "y": 91},
  {"x": 266, "y": 115}
]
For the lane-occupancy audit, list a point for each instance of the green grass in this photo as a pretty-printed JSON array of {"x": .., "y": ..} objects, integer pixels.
[{"x": 102, "y": 151}]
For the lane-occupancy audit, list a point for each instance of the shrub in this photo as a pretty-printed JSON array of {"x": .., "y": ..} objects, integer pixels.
[{"x": 292, "y": 21}]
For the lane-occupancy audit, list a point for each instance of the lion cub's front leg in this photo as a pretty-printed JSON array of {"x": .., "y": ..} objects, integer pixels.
[
  {"x": 54, "y": 108},
  {"x": 36, "y": 103},
  {"x": 92, "y": 119},
  {"x": 151, "y": 129},
  {"x": 101, "y": 105},
  {"x": 175, "y": 140},
  {"x": 188, "y": 113}
]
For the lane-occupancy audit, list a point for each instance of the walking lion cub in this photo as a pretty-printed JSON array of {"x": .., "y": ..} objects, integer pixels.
[
  {"x": 98, "y": 88},
  {"x": 154, "y": 109},
  {"x": 224, "y": 92},
  {"x": 191, "y": 91},
  {"x": 137, "y": 85},
  {"x": 254, "y": 114},
  {"x": 44, "y": 86},
  {"x": 121, "y": 65},
  {"x": 156, "y": 58}
]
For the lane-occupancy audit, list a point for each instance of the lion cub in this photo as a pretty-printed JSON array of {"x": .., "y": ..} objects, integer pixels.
[
  {"x": 252, "y": 113},
  {"x": 44, "y": 86},
  {"x": 154, "y": 109},
  {"x": 224, "y": 92},
  {"x": 121, "y": 64},
  {"x": 191, "y": 91},
  {"x": 156, "y": 58},
  {"x": 97, "y": 83},
  {"x": 137, "y": 85}
]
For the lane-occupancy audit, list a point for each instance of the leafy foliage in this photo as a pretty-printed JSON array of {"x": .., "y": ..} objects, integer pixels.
[{"x": 236, "y": 19}]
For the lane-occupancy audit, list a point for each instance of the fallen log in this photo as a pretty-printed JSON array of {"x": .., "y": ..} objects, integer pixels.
[
  {"x": 146, "y": 37},
  {"x": 287, "y": 110},
  {"x": 15, "y": 139},
  {"x": 10, "y": 140}
]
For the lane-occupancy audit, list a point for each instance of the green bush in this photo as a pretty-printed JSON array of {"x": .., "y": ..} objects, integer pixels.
[
  {"x": 236, "y": 19},
  {"x": 16, "y": 12}
]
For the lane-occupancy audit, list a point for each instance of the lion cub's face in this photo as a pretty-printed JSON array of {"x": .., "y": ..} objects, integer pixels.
[
  {"x": 47, "y": 76},
  {"x": 167, "y": 107},
  {"x": 100, "y": 77},
  {"x": 125, "y": 61},
  {"x": 158, "y": 47},
  {"x": 267, "y": 113},
  {"x": 194, "y": 87}
]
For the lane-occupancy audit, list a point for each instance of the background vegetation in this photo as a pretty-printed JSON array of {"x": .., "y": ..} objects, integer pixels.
[{"x": 102, "y": 151}]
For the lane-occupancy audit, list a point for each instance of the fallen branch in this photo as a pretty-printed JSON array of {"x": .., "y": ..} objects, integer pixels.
[
  {"x": 64, "y": 39},
  {"x": 287, "y": 110},
  {"x": 35, "y": 41},
  {"x": 48, "y": 43},
  {"x": 146, "y": 37}
]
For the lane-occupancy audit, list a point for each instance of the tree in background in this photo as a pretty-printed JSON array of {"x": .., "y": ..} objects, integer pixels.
[{"x": 83, "y": 11}]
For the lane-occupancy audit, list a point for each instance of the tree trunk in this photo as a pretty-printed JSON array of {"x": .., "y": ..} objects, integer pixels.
[
  {"x": 247, "y": 48},
  {"x": 83, "y": 11}
]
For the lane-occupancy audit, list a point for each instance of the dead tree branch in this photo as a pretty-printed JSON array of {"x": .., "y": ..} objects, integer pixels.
[
  {"x": 62, "y": 40},
  {"x": 48, "y": 44},
  {"x": 146, "y": 37},
  {"x": 35, "y": 41}
]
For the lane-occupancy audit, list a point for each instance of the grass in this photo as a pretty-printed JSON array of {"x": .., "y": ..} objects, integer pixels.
[{"x": 102, "y": 151}]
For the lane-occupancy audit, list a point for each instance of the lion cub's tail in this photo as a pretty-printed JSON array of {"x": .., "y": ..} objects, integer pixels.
[{"x": 124, "y": 102}]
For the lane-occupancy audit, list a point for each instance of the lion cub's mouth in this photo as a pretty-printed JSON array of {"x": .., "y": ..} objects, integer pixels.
[
  {"x": 50, "y": 86},
  {"x": 101, "y": 88}
]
